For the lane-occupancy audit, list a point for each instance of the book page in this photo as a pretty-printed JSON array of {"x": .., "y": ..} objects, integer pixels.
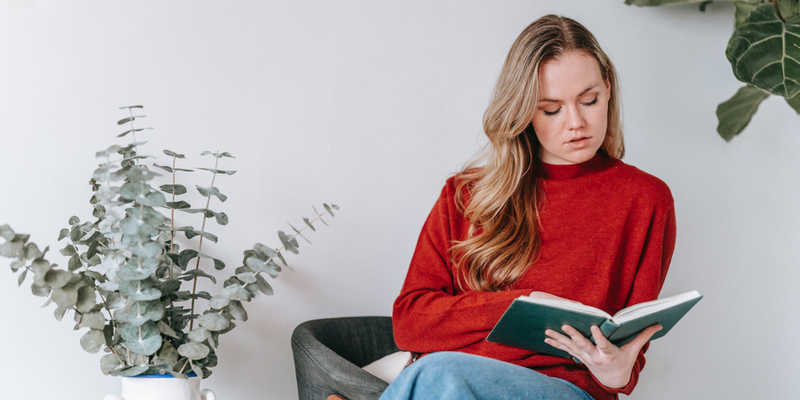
[
  {"x": 567, "y": 305},
  {"x": 650, "y": 307}
]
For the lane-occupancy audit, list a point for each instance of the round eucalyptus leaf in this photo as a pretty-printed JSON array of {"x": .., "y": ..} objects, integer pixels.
[
  {"x": 264, "y": 286},
  {"x": 108, "y": 363},
  {"x": 93, "y": 340},
  {"x": 237, "y": 311},
  {"x": 138, "y": 313},
  {"x": 40, "y": 291},
  {"x": 130, "y": 371},
  {"x": 147, "y": 250},
  {"x": 144, "y": 340},
  {"x": 173, "y": 189},
  {"x": 289, "y": 243},
  {"x": 139, "y": 290},
  {"x": 198, "y": 334},
  {"x": 93, "y": 320},
  {"x": 265, "y": 250},
  {"x": 247, "y": 277},
  {"x": 167, "y": 330},
  {"x": 213, "y": 321},
  {"x": 56, "y": 278},
  {"x": 138, "y": 268},
  {"x": 764, "y": 51},
  {"x": 153, "y": 199},
  {"x": 235, "y": 292},
  {"x": 59, "y": 313},
  {"x": 218, "y": 303},
  {"x": 87, "y": 299},
  {"x": 66, "y": 296},
  {"x": 74, "y": 263},
  {"x": 193, "y": 351},
  {"x": 174, "y": 154},
  {"x": 167, "y": 355}
]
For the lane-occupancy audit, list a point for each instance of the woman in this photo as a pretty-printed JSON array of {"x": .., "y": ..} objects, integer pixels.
[{"x": 553, "y": 213}]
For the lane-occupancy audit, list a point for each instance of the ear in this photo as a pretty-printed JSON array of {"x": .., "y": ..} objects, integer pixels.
[{"x": 608, "y": 87}]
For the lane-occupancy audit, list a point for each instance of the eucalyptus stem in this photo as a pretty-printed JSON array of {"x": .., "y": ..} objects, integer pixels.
[{"x": 200, "y": 246}]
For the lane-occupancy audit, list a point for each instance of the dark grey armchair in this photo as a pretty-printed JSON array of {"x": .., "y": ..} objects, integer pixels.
[{"x": 329, "y": 354}]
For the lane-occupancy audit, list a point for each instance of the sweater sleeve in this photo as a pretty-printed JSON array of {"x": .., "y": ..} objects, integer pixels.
[
  {"x": 650, "y": 277},
  {"x": 431, "y": 314}
]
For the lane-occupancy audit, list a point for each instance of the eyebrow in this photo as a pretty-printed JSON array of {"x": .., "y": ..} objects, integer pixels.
[{"x": 581, "y": 94}]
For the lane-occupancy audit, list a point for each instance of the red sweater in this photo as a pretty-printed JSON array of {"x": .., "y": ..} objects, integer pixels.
[{"x": 608, "y": 232}]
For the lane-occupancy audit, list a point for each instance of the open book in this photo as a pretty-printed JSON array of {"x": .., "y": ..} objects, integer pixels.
[{"x": 526, "y": 319}]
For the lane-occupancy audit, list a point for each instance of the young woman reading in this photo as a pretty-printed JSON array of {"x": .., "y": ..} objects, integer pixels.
[{"x": 552, "y": 213}]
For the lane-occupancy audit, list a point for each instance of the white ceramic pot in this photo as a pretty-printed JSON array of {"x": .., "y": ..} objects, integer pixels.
[{"x": 161, "y": 387}]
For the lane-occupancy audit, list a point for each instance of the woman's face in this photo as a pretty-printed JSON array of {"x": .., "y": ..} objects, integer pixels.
[{"x": 570, "y": 121}]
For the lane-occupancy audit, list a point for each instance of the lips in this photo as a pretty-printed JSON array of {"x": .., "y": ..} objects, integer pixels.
[{"x": 578, "y": 142}]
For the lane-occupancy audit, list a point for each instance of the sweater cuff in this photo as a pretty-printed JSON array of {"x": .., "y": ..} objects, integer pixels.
[{"x": 626, "y": 390}]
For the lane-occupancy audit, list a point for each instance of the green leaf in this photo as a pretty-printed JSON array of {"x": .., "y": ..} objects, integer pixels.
[
  {"x": 133, "y": 271},
  {"x": 74, "y": 263},
  {"x": 263, "y": 286},
  {"x": 146, "y": 340},
  {"x": 189, "y": 275},
  {"x": 108, "y": 363},
  {"x": 133, "y": 225},
  {"x": 298, "y": 233},
  {"x": 309, "y": 224},
  {"x": 192, "y": 233},
  {"x": 218, "y": 303},
  {"x": 168, "y": 331},
  {"x": 66, "y": 296},
  {"x": 93, "y": 340},
  {"x": 218, "y": 171},
  {"x": 290, "y": 244},
  {"x": 185, "y": 256},
  {"x": 129, "y": 119},
  {"x": 237, "y": 311},
  {"x": 6, "y": 232},
  {"x": 22, "y": 277},
  {"x": 134, "y": 315},
  {"x": 247, "y": 277},
  {"x": 174, "y": 154},
  {"x": 235, "y": 292},
  {"x": 212, "y": 191},
  {"x": 788, "y": 8},
  {"x": 11, "y": 248},
  {"x": 735, "y": 114},
  {"x": 764, "y": 52},
  {"x": 213, "y": 322},
  {"x": 178, "y": 205},
  {"x": 139, "y": 290},
  {"x": 794, "y": 102},
  {"x": 147, "y": 250},
  {"x": 743, "y": 10},
  {"x": 164, "y": 167},
  {"x": 93, "y": 320},
  {"x": 39, "y": 290},
  {"x": 168, "y": 354},
  {"x": 123, "y": 134},
  {"x": 87, "y": 299},
  {"x": 64, "y": 233},
  {"x": 69, "y": 251},
  {"x": 178, "y": 189},
  {"x": 56, "y": 278},
  {"x": 328, "y": 209},
  {"x": 218, "y": 264},
  {"x": 217, "y": 155}
]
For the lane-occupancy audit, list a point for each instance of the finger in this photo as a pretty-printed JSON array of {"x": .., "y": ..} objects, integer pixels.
[
  {"x": 577, "y": 337},
  {"x": 600, "y": 340},
  {"x": 642, "y": 338},
  {"x": 558, "y": 345},
  {"x": 560, "y": 341}
]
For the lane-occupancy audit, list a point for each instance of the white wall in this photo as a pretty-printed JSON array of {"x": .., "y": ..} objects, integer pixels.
[{"x": 371, "y": 105}]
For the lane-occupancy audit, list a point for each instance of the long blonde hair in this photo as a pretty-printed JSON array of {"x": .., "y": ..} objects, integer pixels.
[{"x": 505, "y": 195}]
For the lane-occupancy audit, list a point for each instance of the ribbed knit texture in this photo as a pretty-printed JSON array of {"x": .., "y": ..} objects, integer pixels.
[{"x": 608, "y": 233}]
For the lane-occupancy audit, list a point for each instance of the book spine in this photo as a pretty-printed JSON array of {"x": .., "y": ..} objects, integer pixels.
[{"x": 608, "y": 328}]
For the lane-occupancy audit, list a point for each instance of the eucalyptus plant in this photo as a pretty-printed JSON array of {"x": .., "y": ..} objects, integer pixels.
[
  {"x": 764, "y": 52},
  {"x": 126, "y": 278}
]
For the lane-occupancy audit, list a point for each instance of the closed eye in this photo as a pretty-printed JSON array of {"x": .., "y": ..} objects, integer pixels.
[
  {"x": 593, "y": 102},
  {"x": 551, "y": 112}
]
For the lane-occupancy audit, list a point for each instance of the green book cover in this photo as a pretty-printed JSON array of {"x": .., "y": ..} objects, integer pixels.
[{"x": 524, "y": 322}]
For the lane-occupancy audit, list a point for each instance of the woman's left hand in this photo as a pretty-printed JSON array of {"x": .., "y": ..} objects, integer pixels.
[{"x": 611, "y": 365}]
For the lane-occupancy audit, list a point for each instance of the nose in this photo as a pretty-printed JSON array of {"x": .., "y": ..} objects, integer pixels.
[{"x": 575, "y": 119}]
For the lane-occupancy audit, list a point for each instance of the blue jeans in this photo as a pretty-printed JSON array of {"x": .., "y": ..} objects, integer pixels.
[{"x": 459, "y": 376}]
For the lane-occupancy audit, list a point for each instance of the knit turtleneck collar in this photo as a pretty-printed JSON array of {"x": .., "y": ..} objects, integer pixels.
[{"x": 599, "y": 162}]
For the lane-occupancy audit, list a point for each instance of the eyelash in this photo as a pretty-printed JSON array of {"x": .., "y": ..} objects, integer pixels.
[{"x": 551, "y": 113}]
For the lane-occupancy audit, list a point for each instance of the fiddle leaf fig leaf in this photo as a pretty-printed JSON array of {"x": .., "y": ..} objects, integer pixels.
[
  {"x": 642, "y": 3},
  {"x": 764, "y": 51},
  {"x": 93, "y": 340},
  {"x": 794, "y": 102},
  {"x": 735, "y": 114}
]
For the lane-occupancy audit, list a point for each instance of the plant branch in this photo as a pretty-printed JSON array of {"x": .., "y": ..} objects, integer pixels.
[{"x": 200, "y": 246}]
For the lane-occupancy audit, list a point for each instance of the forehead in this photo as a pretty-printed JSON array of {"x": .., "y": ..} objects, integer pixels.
[{"x": 568, "y": 75}]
